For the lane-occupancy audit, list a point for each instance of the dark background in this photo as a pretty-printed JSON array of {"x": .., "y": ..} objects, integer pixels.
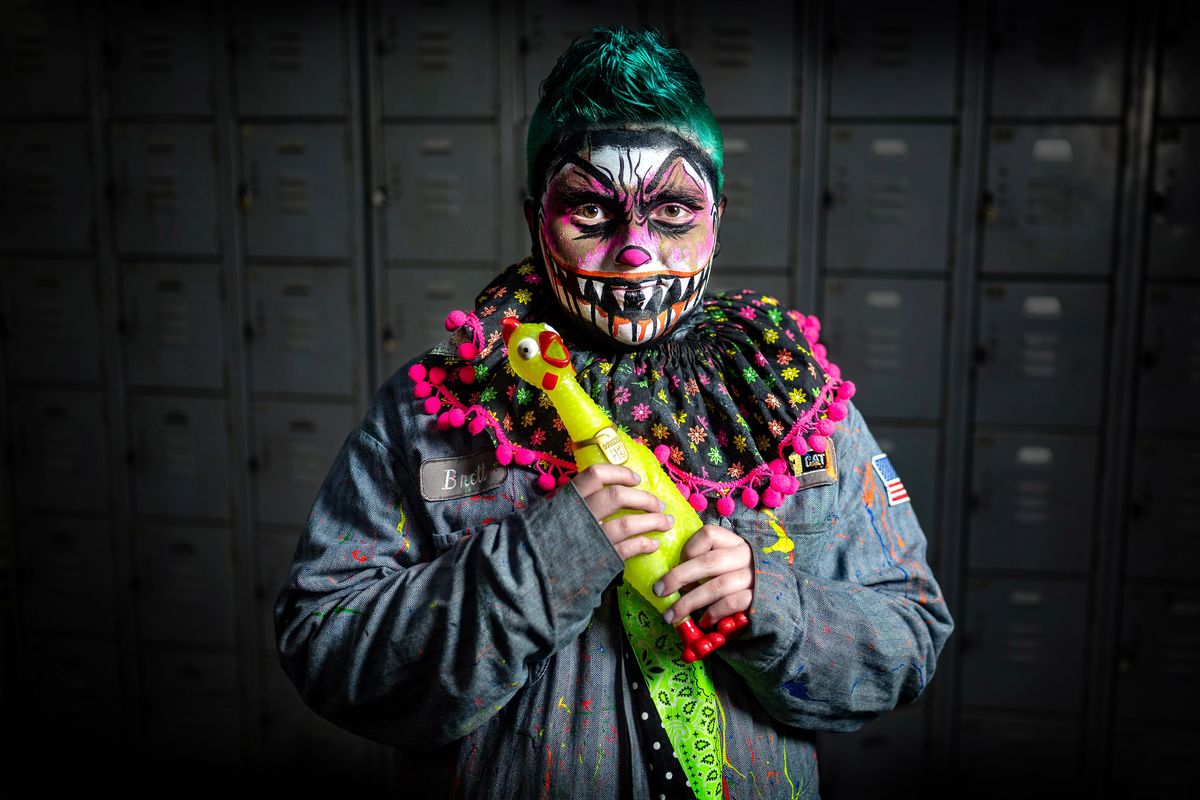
[{"x": 222, "y": 225}]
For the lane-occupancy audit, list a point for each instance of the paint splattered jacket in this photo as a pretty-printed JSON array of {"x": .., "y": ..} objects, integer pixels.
[{"x": 441, "y": 603}]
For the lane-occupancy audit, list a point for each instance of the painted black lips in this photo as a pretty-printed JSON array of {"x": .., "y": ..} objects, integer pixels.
[{"x": 631, "y": 299}]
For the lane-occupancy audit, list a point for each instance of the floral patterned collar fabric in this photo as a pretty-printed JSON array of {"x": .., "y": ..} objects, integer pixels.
[{"x": 725, "y": 400}]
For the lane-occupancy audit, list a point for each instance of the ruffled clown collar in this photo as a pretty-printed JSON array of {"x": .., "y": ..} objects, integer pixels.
[{"x": 735, "y": 391}]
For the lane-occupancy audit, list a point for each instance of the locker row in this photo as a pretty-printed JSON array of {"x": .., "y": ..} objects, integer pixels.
[{"x": 294, "y": 59}]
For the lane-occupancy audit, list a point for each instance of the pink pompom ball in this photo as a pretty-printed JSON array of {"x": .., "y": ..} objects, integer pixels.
[
  {"x": 437, "y": 376},
  {"x": 477, "y": 425},
  {"x": 468, "y": 350},
  {"x": 778, "y": 466},
  {"x": 545, "y": 482},
  {"x": 800, "y": 446},
  {"x": 504, "y": 455},
  {"x": 793, "y": 484},
  {"x": 443, "y": 421},
  {"x": 817, "y": 442},
  {"x": 698, "y": 502},
  {"x": 825, "y": 427},
  {"x": 779, "y": 482},
  {"x": 563, "y": 479},
  {"x": 423, "y": 389},
  {"x": 523, "y": 456},
  {"x": 836, "y": 411},
  {"x": 834, "y": 370},
  {"x": 456, "y": 417},
  {"x": 662, "y": 453},
  {"x": 846, "y": 390},
  {"x": 432, "y": 404},
  {"x": 819, "y": 351},
  {"x": 466, "y": 375},
  {"x": 749, "y": 497},
  {"x": 417, "y": 372},
  {"x": 684, "y": 490},
  {"x": 815, "y": 324},
  {"x": 772, "y": 499},
  {"x": 455, "y": 320},
  {"x": 725, "y": 506}
]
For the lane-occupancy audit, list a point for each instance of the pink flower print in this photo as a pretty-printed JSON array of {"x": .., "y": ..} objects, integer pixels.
[
  {"x": 704, "y": 379},
  {"x": 703, "y": 421},
  {"x": 537, "y": 437},
  {"x": 675, "y": 381},
  {"x": 747, "y": 312},
  {"x": 621, "y": 395},
  {"x": 641, "y": 411},
  {"x": 760, "y": 359},
  {"x": 691, "y": 387},
  {"x": 510, "y": 391},
  {"x": 723, "y": 438},
  {"x": 639, "y": 370},
  {"x": 533, "y": 279}
]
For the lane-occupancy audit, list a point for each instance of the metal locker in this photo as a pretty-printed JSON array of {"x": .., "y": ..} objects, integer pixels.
[
  {"x": 886, "y": 335},
  {"x": 296, "y": 445},
  {"x": 207, "y": 736},
  {"x": 746, "y": 60},
  {"x": 185, "y": 585},
  {"x": 45, "y": 187},
  {"x": 1041, "y": 354},
  {"x": 419, "y": 300},
  {"x": 1169, "y": 374},
  {"x": 172, "y": 325},
  {"x": 77, "y": 684},
  {"x": 305, "y": 320},
  {"x": 164, "y": 189},
  {"x": 888, "y": 201},
  {"x": 887, "y": 755},
  {"x": 187, "y": 676},
  {"x": 891, "y": 60},
  {"x": 438, "y": 61},
  {"x": 180, "y": 457},
  {"x": 68, "y": 575},
  {"x": 1154, "y": 762},
  {"x": 442, "y": 192},
  {"x": 1048, "y": 751},
  {"x": 758, "y": 212},
  {"x": 1073, "y": 52},
  {"x": 52, "y": 321},
  {"x": 159, "y": 58},
  {"x": 1033, "y": 502},
  {"x": 551, "y": 25},
  {"x": 1175, "y": 202},
  {"x": 1180, "y": 60},
  {"x": 42, "y": 65},
  {"x": 732, "y": 279},
  {"x": 915, "y": 452},
  {"x": 292, "y": 59},
  {"x": 1023, "y": 644},
  {"x": 1159, "y": 654},
  {"x": 296, "y": 191},
  {"x": 60, "y": 450},
  {"x": 275, "y": 554},
  {"x": 1164, "y": 510},
  {"x": 1050, "y": 199}
]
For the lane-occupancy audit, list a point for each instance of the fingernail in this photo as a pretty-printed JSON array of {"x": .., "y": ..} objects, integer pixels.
[
  {"x": 658, "y": 590},
  {"x": 670, "y": 520},
  {"x": 669, "y": 616},
  {"x": 636, "y": 477},
  {"x": 662, "y": 504}
]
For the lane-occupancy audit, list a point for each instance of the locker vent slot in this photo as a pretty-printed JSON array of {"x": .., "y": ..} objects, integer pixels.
[
  {"x": 295, "y": 192},
  {"x": 299, "y": 331},
  {"x": 887, "y": 199},
  {"x": 306, "y": 466},
  {"x": 157, "y": 53},
  {"x": 892, "y": 45},
  {"x": 49, "y": 321},
  {"x": 1040, "y": 355},
  {"x": 179, "y": 454},
  {"x": 286, "y": 52},
  {"x": 30, "y": 53},
  {"x": 162, "y": 192},
  {"x": 174, "y": 322},
  {"x": 732, "y": 46},
  {"x": 440, "y": 195},
  {"x": 435, "y": 48},
  {"x": 1031, "y": 502}
]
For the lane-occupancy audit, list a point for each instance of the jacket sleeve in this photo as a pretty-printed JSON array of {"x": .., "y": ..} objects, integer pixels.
[
  {"x": 843, "y": 636},
  {"x": 394, "y": 638}
]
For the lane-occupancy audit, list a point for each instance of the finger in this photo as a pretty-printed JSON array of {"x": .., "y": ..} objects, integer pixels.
[
  {"x": 635, "y": 545},
  {"x": 706, "y": 538},
  {"x": 706, "y": 594},
  {"x": 727, "y": 605},
  {"x": 614, "y": 498},
  {"x": 621, "y": 528},
  {"x": 597, "y": 476},
  {"x": 705, "y": 565}
]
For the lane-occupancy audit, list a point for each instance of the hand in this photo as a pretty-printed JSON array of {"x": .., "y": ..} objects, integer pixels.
[
  {"x": 716, "y": 569},
  {"x": 606, "y": 489}
]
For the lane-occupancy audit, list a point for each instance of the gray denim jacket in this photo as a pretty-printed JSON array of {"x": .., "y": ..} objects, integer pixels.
[{"x": 478, "y": 634}]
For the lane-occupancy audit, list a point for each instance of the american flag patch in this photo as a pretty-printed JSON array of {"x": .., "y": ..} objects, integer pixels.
[{"x": 896, "y": 493}]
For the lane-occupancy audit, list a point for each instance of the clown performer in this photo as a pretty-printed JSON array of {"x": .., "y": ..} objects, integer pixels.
[{"x": 457, "y": 592}]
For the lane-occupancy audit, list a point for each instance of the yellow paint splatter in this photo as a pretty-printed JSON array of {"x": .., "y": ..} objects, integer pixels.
[{"x": 783, "y": 544}]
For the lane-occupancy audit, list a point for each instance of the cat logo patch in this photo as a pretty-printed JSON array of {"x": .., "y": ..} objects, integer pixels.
[{"x": 815, "y": 469}]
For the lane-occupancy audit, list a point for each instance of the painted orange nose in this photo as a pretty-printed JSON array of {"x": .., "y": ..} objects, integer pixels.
[{"x": 633, "y": 256}]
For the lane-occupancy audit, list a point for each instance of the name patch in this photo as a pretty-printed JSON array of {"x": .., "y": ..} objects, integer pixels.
[
  {"x": 460, "y": 476},
  {"x": 815, "y": 469}
]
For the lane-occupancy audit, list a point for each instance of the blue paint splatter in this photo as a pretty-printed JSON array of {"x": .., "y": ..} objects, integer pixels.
[{"x": 883, "y": 547}]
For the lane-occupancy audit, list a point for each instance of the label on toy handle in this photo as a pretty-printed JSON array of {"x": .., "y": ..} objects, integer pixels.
[{"x": 609, "y": 442}]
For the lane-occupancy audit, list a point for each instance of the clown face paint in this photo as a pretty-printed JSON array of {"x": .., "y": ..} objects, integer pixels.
[{"x": 627, "y": 228}]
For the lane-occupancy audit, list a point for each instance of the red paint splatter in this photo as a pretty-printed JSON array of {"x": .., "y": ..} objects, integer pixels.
[
  {"x": 359, "y": 556},
  {"x": 549, "y": 767},
  {"x": 587, "y": 705}
]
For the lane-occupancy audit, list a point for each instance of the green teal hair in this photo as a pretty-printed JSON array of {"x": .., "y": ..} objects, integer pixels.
[{"x": 620, "y": 76}]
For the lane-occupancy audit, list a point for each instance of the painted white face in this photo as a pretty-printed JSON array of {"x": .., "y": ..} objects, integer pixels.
[{"x": 628, "y": 231}]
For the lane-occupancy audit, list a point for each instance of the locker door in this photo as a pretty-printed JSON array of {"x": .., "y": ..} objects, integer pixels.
[
  {"x": 165, "y": 189},
  {"x": 1180, "y": 61},
  {"x": 291, "y": 58},
  {"x": 886, "y": 335},
  {"x": 746, "y": 61},
  {"x": 185, "y": 585},
  {"x": 734, "y": 280},
  {"x": 180, "y": 448},
  {"x": 172, "y": 325},
  {"x": 207, "y": 736},
  {"x": 1023, "y": 644},
  {"x": 296, "y": 193},
  {"x": 186, "y": 676},
  {"x": 551, "y": 25},
  {"x": 296, "y": 445},
  {"x": 438, "y": 61},
  {"x": 45, "y": 187},
  {"x": 60, "y": 450},
  {"x": 889, "y": 60},
  {"x": 759, "y": 211},
  {"x": 886, "y": 756},
  {"x": 916, "y": 455},
  {"x": 159, "y": 58},
  {"x": 888, "y": 205},
  {"x": 68, "y": 575},
  {"x": 1164, "y": 510},
  {"x": 1050, "y": 199},
  {"x": 42, "y": 66},
  {"x": 1073, "y": 52},
  {"x": 1155, "y": 761},
  {"x": 1048, "y": 751},
  {"x": 304, "y": 327},
  {"x": 1175, "y": 202},
  {"x": 442, "y": 192},
  {"x": 420, "y": 299},
  {"x": 52, "y": 329},
  {"x": 1033, "y": 502},
  {"x": 78, "y": 688},
  {"x": 1159, "y": 652},
  {"x": 1041, "y": 354},
  {"x": 1169, "y": 374},
  {"x": 275, "y": 554}
]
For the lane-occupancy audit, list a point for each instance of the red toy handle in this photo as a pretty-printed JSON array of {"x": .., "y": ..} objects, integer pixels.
[{"x": 697, "y": 644}]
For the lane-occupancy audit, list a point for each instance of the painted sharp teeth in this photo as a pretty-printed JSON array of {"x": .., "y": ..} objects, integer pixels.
[
  {"x": 583, "y": 286},
  {"x": 597, "y": 290},
  {"x": 646, "y": 294},
  {"x": 619, "y": 296}
]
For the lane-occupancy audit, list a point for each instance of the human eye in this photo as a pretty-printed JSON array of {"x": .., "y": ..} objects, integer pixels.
[
  {"x": 673, "y": 214},
  {"x": 589, "y": 214}
]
